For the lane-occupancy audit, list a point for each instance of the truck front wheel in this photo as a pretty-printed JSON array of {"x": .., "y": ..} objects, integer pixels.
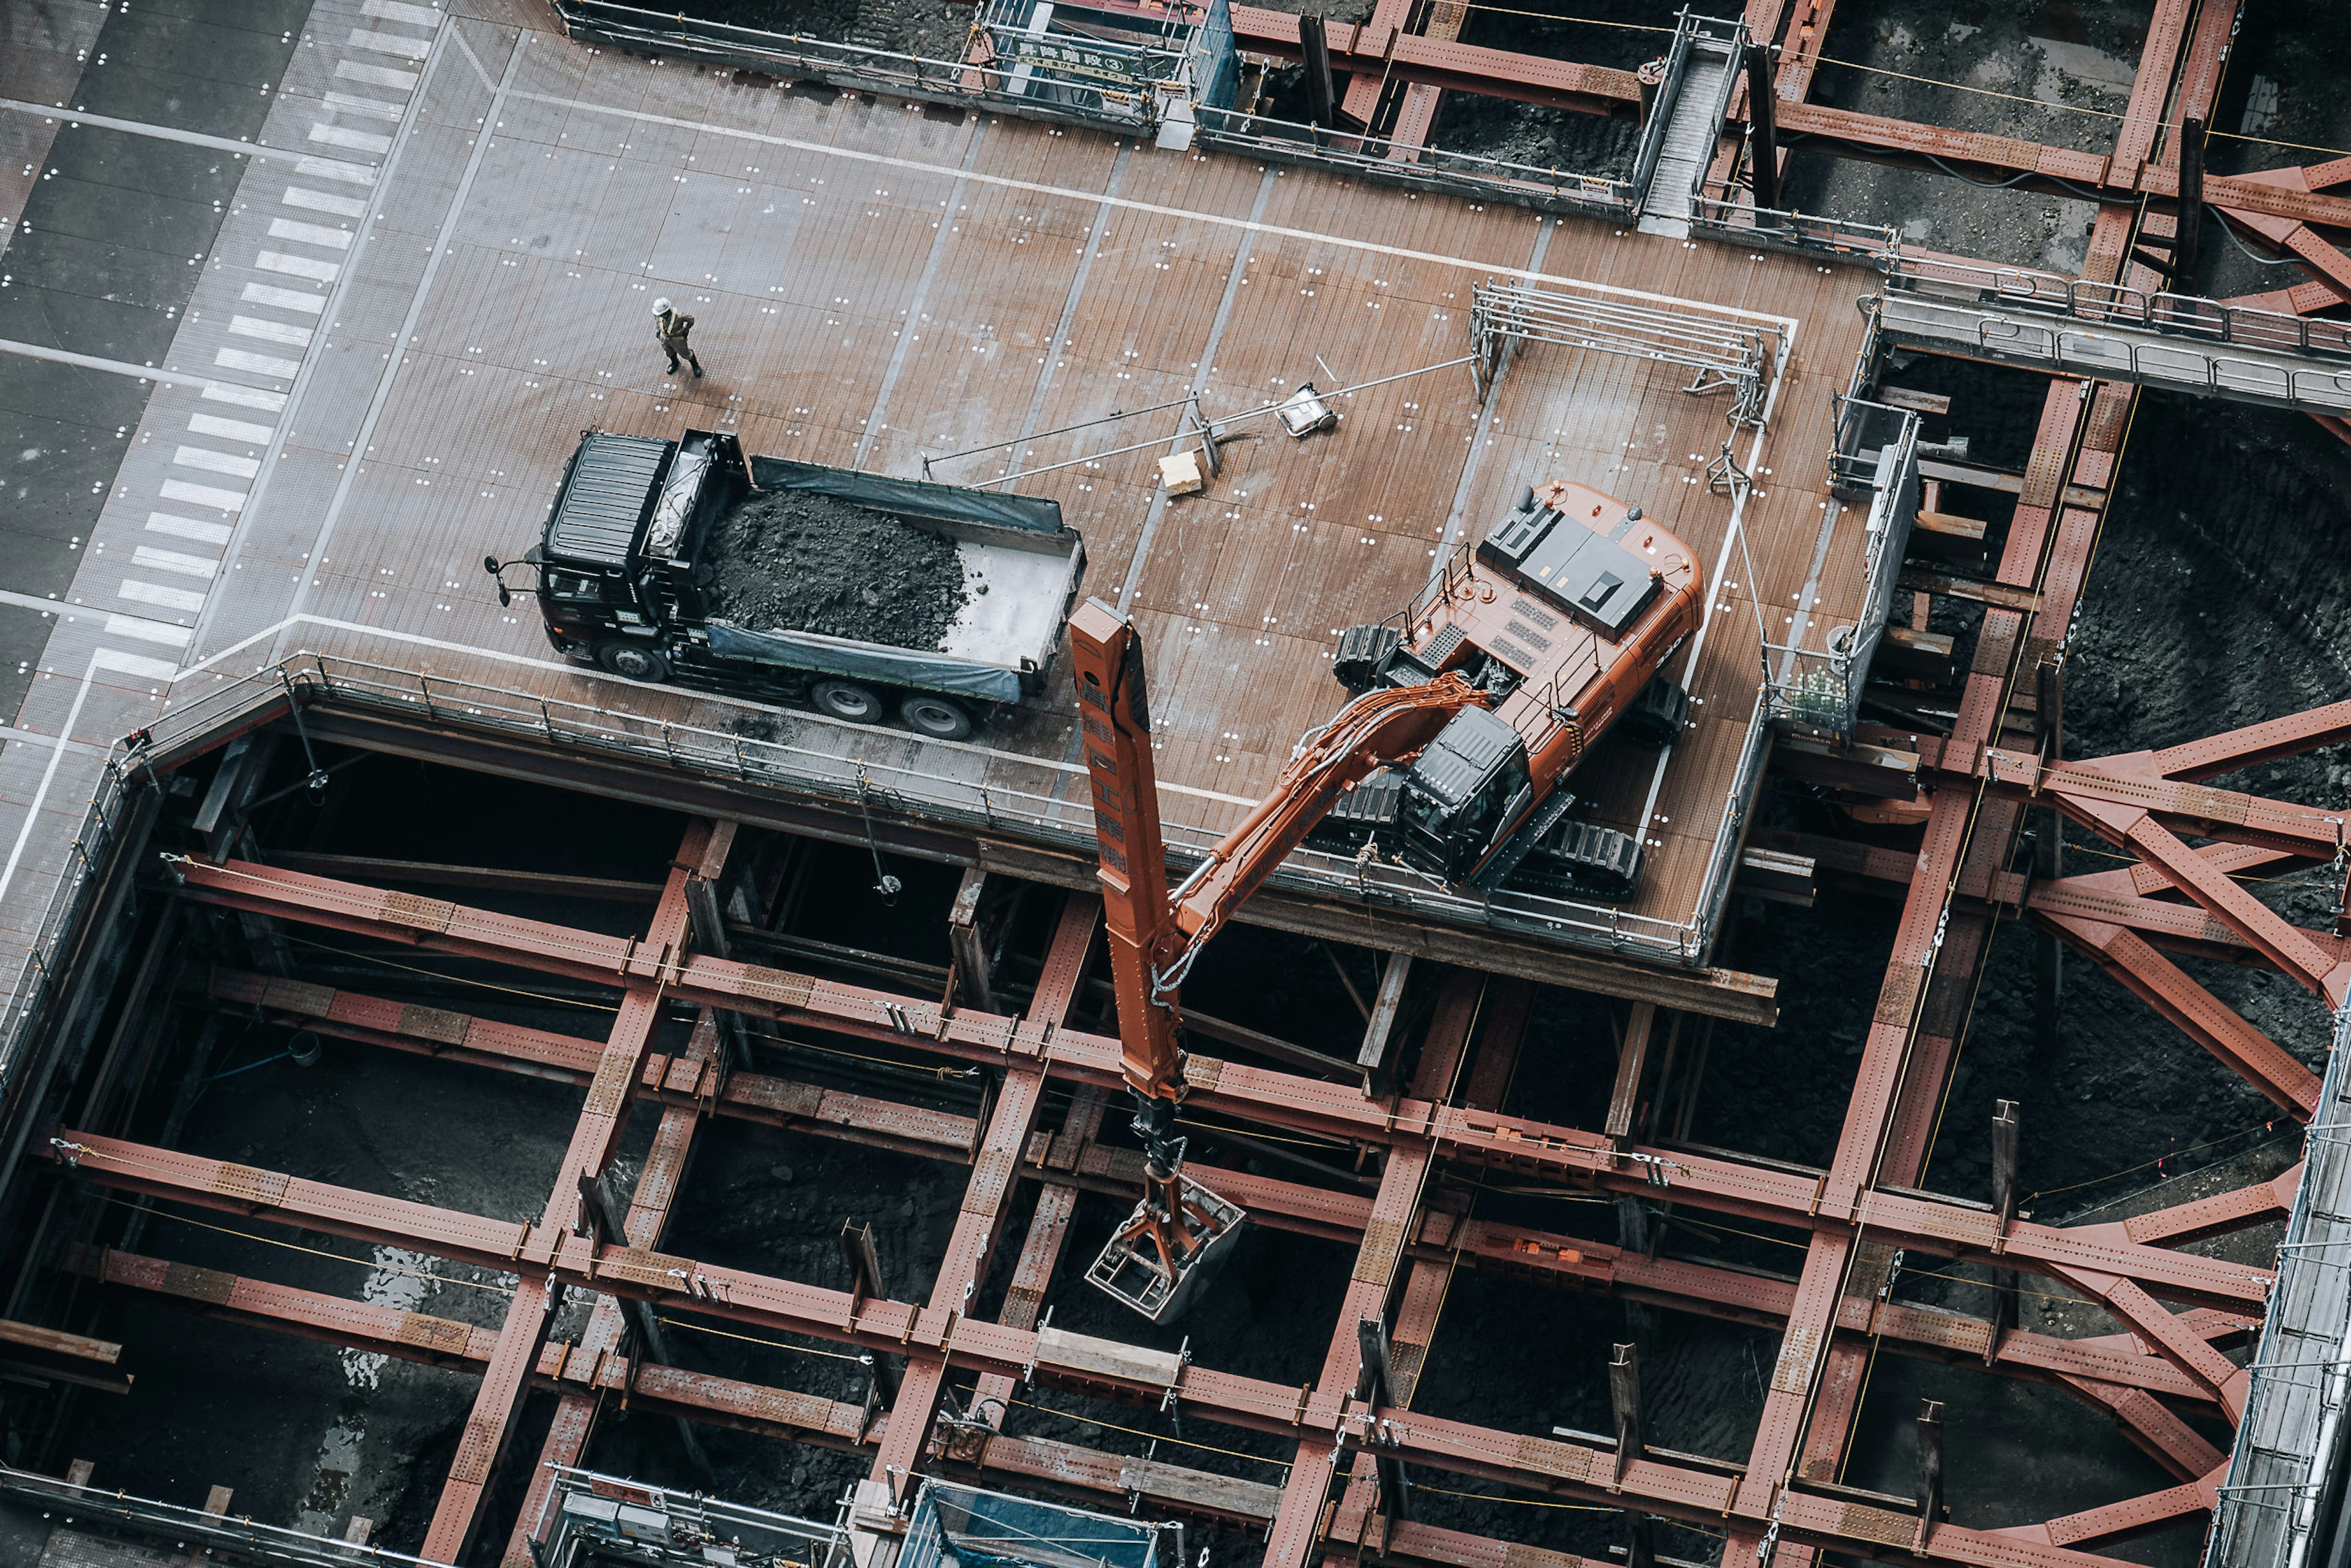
[
  {"x": 936, "y": 716},
  {"x": 848, "y": 700},
  {"x": 633, "y": 661}
]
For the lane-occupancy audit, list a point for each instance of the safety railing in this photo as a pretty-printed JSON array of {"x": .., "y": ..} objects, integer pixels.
[
  {"x": 2282, "y": 1501},
  {"x": 587, "y": 1518},
  {"x": 1739, "y": 801},
  {"x": 1660, "y": 107},
  {"x": 1723, "y": 216},
  {"x": 1019, "y": 83},
  {"x": 1417, "y": 168},
  {"x": 1740, "y": 355},
  {"x": 1875, "y": 457},
  {"x": 224, "y": 1536},
  {"x": 2118, "y": 304},
  {"x": 956, "y": 1526}
]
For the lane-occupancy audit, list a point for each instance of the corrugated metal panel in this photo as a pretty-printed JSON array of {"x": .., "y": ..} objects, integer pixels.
[{"x": 604, "y": 496}]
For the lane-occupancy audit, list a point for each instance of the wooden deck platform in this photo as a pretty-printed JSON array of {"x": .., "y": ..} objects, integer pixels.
[{"x": 876, "y": 281}]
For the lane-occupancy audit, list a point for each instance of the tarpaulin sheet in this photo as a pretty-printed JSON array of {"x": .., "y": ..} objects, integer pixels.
[
  {"x": 867, "y": 660},
  {"x": 1032, "y": 514}
]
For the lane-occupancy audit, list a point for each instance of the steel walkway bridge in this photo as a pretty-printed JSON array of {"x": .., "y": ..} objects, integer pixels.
[{"x": 2046, "y": 322}]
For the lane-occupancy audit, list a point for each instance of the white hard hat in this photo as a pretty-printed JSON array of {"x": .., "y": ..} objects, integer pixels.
[{"x": 661, "y": 307}]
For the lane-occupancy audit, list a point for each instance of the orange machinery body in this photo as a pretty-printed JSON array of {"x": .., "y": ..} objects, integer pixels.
[{"x": 1576, "y": 673}]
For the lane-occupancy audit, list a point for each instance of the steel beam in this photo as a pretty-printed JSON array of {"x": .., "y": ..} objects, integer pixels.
[
  {"x": 2202, "y": 1016},
  {"x": 602, "y": 1119},
  {"x": 1731, "y": 1186}
]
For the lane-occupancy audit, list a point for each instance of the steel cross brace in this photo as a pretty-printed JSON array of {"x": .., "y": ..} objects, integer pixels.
[
  {"x": 682, "y": 1284},
  {"x": 980, "y": 1221},
  {"x": 1934, "y": 1226},
  {"x": 602, "y": 1119},
  {"x": 1441, "y": 1239}
]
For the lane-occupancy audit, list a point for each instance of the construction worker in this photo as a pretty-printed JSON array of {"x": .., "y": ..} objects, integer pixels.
[{"x": 671, "y": 326}]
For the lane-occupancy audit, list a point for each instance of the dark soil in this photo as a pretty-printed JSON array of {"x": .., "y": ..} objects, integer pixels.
[
  {"x": 792, "y": 560},
  {"x": 935, "y": 29}
]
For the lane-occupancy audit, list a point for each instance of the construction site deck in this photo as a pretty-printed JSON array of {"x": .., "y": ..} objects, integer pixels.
[{"x": 404, "y": 317}]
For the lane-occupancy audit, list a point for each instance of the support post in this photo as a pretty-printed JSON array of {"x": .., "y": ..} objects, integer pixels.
[
  {"x": 1379, "y": 1033},
  {"x": 1371, "y": 1381},
  {"x": 1762, "y": 128},
  {"x": 1930, "y": 1465},
  {"x": 2005, "y": 1131},
  {"x": 1321, "y": 98},
  {"x": 1632, "y": 1057},
  {"x": 968, "y": 944},
  {"x": 1625, "y": 1393},
  {"x": 2187, "y": 237},
  {"x": 2049, "y": 862}
]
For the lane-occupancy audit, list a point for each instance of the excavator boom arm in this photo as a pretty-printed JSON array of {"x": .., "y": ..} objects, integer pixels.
[{"x": 1380, "y": 726}]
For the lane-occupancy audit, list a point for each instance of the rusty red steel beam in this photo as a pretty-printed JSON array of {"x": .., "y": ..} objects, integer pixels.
[
  {"x": 1318, "y": 1422},
  {"x": 456, "y": 1516},
  {"x": 2204, "y": 1017},
  {"x": 979, "y": 1222},
  {"x": 1465, "y": 1002},
  {"x": 2176, "y": 1341},
  {"x": 2254, "y": 1204},
  {"x": 2325, "y": 972},
  {"x": 2228, "y": 815},
  {"x": 2157, "y": 1431},
  {"x": 1939, "y": 1227},
  {"x": 1445, "y": 63},
  {"x": 646, "y": 1220},
  {"x": 2126, "y": 1520},
  {"x": 653, "y": 1389},
  {"x": 2288, "y": 735}
]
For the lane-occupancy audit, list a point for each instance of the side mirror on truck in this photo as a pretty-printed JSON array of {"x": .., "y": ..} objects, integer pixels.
[{"x": 497, "y": 568}]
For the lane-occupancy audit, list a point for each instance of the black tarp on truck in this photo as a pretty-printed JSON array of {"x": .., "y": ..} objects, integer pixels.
[{"x": 632, "y": 548}]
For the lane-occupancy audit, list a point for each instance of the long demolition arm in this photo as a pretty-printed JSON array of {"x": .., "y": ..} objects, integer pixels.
[{"x": 1152, "y": 936}]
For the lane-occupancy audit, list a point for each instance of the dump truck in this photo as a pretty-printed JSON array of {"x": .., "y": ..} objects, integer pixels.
[
  {"x": 634, "y": 569},
  {"x": 1471, "y": 710}
]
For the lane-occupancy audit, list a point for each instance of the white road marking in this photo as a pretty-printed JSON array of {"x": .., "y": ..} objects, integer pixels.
[
  {"x": 259, "y": 364},
  {"x": 270, "y": 331},
  {"x": 298, "y": 266},
  {"x": 375, "y": 76},
  {"x": 187, "y": 528},
  {"x": 1090, "y": 198},
  {"x": 149, "y": 631},
  {"x": 400, "y": 11},
  {"x": 217, "y": 500},
  {"x": 321, "y": 202},
  {"x": 132, "y": 665},
  {"x": 335, "y": 169},
  {"x": 173, "y": 561},
  {"x": 167, "y": 133},
  {"x": 111, "y": 367},
  {"x": 213, "y": 462},
  {"x": 230, "y": 429},
  {"x": 357, "y": 140},
  {"x": 372, "y": 108},
  {"x": 244, "y": 397},
  {"x": 283, "y": 298},
  {"x": 310, "y": 234},
  {"x": 139, "y": 593},
  {"x": 389, "y": 43}
]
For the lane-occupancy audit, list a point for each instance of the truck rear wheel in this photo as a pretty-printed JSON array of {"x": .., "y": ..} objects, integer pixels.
[
  {"x": 849, "y": 701},
  {"x": 936, "y": 716},
  {"x": 633, "y": 661}
]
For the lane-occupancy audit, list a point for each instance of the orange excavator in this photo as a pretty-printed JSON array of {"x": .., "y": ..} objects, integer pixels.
[{"x": 1471, "y": 708}]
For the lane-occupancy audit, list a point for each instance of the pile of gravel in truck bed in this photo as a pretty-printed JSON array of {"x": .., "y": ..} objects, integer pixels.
[{"x": 794, "y": 560}]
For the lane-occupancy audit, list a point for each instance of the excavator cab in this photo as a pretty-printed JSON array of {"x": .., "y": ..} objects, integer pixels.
[{"x": 1464, "y": 790}]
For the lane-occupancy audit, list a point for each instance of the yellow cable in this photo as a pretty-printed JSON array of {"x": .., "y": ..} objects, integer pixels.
[
  {"x": 1521, "y": 1502},
  {"x": 755, "y": 1339},
  {"x": 320, "y": 1252},
  {"x": 1156, "y": 1436},
  {"x": 461, "y": 979}
]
